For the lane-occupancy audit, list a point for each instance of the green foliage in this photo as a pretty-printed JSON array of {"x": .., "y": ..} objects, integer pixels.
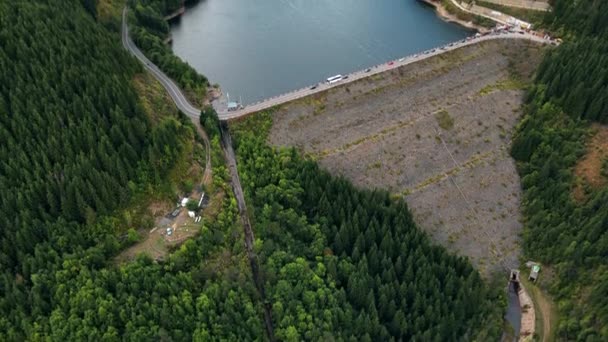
[
  {"x": 149, "y": 31},
  {"x": 534, "y": 17},
  {"x": 73, "y": 138},
  {"x": 604, "y": 170},
  {"x": 210, "y": 121},
  {"x": 574, "y": 77},
  {"x": 132, "y": 236},
  {"x": 444, "y": 120},
  {"x": 75, "y": 145},
  {"x": 187, "y": 186},
  {"x": 570, "y": 91},
  {"x": 342, "y": 263},
  {"x": 192, "y": 205},
  {"x": 583, "y": 17},
  {"x": 90, "y": 6}
]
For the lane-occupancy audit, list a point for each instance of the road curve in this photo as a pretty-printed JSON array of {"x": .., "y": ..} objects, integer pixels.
[
  {"x": 173, "y": 90},
  {"x": 182, "y": 103},
  {"x": 297, "y": 94}
]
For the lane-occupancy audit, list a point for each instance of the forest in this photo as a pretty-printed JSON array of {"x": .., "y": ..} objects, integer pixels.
[
  {"x": 76, "y": 148},
  {"x": 339, "y": 263},
  {"x": 347, "y": 264},
  {"x": 570, "y": 235},
  {"x": 149, "y": 30}
]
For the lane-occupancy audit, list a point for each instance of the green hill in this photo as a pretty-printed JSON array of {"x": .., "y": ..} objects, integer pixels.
[{"x": 566, "y": 214}]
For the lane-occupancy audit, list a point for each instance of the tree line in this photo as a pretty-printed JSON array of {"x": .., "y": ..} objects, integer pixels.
[
  {"x": 75, "y": 147},
  {"x": 149, "y": 30},
  {"x": 569, "y": 94},
  {"x": 348, "y": 264}
]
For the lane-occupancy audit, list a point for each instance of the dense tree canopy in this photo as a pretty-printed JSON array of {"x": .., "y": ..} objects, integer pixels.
[
  {"x": 149, "y": 31},
  {"x": 338, "y": 262},
  {"x": 72, "y": 136},
  {"x": 75, "y": 146},
  {"x": 571, "y": 91},
  {"x": 347, "y": 264}
]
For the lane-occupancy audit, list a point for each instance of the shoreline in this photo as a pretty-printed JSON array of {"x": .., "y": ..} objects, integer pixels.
[
  {"x": 178, "y": 13},
  {"x": 445, "y": 15}
]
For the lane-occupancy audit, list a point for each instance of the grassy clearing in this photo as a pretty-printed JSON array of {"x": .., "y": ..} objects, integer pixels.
[
  {"x": 109, "y": 13},
  {"x": 531, "y": 16},
  {"x": 508, "y": 84},
  {"x": 590, "y": 170},
  {"x": 546, "y": 312},
  {"x": 154, "y": 98},
  {"x": 444, "y": 120},
  {"x": 466, "y": 16}
]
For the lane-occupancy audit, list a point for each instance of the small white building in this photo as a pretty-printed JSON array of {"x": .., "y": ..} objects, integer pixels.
[
  {"x": 534, "y": 273},
  {"x": 185, "y": 201},
  {"x": 232, "y": 106},
  {"x": 191, "y": 214}
]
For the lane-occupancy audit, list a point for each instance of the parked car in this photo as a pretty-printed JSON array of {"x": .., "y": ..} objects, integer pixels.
[
  {"x": 368, "y": 70},
  {"x": 313, "y": 87},
  {"x": 391, "y": 63}
]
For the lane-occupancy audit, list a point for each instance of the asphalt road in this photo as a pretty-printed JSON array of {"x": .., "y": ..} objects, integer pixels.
[
  {"x": 297, "y": 94},
  {"x": 172, "y": 88},
  {"x": 188, "y": 109}
]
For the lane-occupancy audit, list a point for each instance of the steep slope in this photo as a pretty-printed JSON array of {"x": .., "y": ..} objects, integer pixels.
[
  {"x": 566, "y": 227},
  {"x": 76, "y": 148}
]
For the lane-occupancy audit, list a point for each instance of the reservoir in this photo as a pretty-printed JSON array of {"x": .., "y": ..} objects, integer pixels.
[{"x": 259, "y": 49}]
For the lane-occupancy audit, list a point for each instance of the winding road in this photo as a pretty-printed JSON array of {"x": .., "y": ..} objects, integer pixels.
[
  {"x": 182, "y": 103},
  {"x": 300, "y": 93},
  {"x": 173, "y": 90},
  {"x": 194, "y": 113}
]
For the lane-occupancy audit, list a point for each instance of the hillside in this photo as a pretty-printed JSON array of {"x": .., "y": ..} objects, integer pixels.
[
  {"x": 342, "y": 263},
  {"x": 435, "y": 133},
  {"x": 86, "y": 144},
  {"x": 565, "y": 214}
]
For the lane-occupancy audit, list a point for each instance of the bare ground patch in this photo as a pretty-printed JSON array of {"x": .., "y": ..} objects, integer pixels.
[
  {"x": 589, "y": 168},
  {"x": 151, "y": 212},
  {"x": 436, "y": 132}
]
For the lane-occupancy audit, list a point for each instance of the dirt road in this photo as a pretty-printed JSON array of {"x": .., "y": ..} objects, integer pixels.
[{"x": 536, "y": 5}]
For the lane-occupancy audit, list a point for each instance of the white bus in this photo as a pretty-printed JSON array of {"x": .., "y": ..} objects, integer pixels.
[{"x": 334, "y": 79}]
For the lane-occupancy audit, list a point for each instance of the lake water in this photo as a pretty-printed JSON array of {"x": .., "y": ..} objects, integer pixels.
[
  {"x": 258, "y": 49},
  {"x": 513, "y": 314}
]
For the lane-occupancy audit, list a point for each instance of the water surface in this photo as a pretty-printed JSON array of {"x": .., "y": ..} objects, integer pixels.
[
  {"x": 513, "y": 314},
  {"x": 258, "y": 49}
]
